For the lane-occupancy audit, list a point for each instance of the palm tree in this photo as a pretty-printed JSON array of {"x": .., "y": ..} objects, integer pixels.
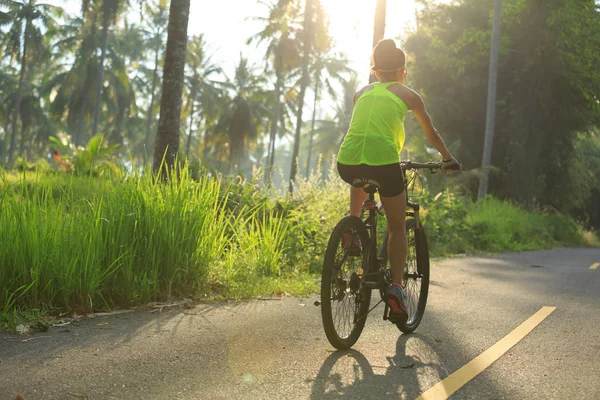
[
  {"x": 167, "y": 136},
  {"x": 74, "y": 85},
  {"x": 110, "y": 11},
  {"x": 75, "y": 92},
  {"x": 280, "y": 30},
  {"x": 155, "y": 36},
  {"x": 8, "y": 88},
  {"x": 246, "y": 111},
  {"x": 119, "y": 95},
  {"x": 203, "y": 91},
  {"x": 379, "y": 28},
  {"x": 326, "y": 67},
  {"x": 27, "y": 23},
  {"x": 307, "y": 45},
  {"x": 329, "y": 133}
]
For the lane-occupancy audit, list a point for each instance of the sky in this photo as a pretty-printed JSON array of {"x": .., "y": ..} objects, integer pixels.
[
  {"x": 227, "y": 24},
  {"x": 351, "y": 25}
]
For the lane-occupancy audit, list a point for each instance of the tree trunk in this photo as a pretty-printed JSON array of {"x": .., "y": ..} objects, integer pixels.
[
  {"x": 87, "y": 83},
  {"x": 17, "y": 110},
  {"x": 268, "y": 156},
  {"x": 151, "y": 106},
  {"x": 189, "y": 139},
  {"x": 303, "y": 84},
  {"x": 167, "y": 136},
  {"x": 116, "y": 136},
  {"x": 29, "y": 148},
  {"x": 24, "y": 130},
  {"x": 272, "y": 159},
  {"x": 491, "y": 103},
  {"x": 3, "y": 148},
  {"x": 312, "y": 124},
  {"x": 4, "y": 142},
  {"x": 205, "y": 149},
  {"x": 81, "y": 120},
  {"x": 275, "y": 124},
  {"x": 100, "y": 81},
  {"x": 379, "y": 29},
  {"x": 33, "y": 138}
]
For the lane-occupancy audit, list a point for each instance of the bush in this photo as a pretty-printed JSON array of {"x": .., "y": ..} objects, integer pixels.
[
  {"x": 446, "y": 225},
  {"x": 503, "y": 226}
]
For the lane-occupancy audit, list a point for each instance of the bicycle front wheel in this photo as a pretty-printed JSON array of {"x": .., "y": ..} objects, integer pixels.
[
  {"x": 416, "y": 276},
  {"x": 344, "y": 302}
]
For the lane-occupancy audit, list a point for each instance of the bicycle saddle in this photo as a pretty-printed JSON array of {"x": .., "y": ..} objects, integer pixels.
[{"x": 367, "y": 184}]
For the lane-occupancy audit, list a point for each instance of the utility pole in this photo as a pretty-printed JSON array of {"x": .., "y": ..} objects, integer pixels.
[
  {"x": 379, "y": 29},
  {"x": 491, "y": 102}
]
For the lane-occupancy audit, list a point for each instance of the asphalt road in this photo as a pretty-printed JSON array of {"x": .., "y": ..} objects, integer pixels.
[{"x": 276, "y": 349}]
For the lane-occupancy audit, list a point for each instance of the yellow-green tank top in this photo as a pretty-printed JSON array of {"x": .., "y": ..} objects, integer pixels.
[{"x": 376, "y": 133}]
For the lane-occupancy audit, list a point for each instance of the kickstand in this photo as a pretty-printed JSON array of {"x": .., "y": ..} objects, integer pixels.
[{"x": 386, "y": 312}]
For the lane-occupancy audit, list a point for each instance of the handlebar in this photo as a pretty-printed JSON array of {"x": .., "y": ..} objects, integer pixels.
[
  {"x": 429, "y": 165},
  {"x": 418, "y": 165}
]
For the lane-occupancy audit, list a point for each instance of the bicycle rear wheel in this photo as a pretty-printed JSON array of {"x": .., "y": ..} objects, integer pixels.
[
  {"x": 344, "y": 303},
  {"x": 415, "y": 282}
]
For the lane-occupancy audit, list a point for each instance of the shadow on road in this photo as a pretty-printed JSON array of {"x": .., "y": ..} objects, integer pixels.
[
  {"x": 103, "y": 333},
  {"x": 350, "y": 374}
]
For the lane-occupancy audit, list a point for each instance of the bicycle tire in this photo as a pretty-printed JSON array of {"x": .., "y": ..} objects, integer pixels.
[
  {"x": 417, "y": 268},
  {"x": 339, "y": 283}
]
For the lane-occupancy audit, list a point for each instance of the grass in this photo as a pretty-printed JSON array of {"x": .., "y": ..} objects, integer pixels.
[
  {"x": 590, "y": 238},
  {"x": 457, "y": 225},
  {"x": 80, "y": 243},
  {"x": 502, "y": 226}
]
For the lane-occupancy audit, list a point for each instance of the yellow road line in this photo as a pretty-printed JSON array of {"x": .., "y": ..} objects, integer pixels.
[
  {"x": 445, "y": 388},
  {"x": 594, "y": 266}
]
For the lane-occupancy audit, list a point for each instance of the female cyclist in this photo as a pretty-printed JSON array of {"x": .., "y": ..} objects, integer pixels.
[{"x": 371, "y": 149}]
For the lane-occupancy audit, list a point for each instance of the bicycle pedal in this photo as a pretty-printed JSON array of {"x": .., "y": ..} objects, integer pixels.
[{"x": 398, "y": 320}]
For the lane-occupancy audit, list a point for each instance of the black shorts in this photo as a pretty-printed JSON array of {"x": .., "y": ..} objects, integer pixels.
[{"x": 390, "y": 177}]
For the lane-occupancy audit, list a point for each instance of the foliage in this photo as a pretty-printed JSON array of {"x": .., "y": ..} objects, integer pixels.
[
  {"x": 587, "y": 153},
  {"x": 95, "y": 158},
  {"x": 502, "y": 226},
  {"x": 86, "y": 243},
  {"x": 457, "y": 225},
  {"x": 548, "y": 93}
]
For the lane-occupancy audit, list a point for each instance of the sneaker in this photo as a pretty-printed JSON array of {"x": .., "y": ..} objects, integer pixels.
[
  {"x": 355, "y": 248},
  {"x": 395, "y": 300}
]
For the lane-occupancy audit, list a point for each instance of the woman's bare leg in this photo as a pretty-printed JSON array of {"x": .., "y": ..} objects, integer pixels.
[
  {"x": 357, "y": 198},
  {"x": 395, "y": 211}
]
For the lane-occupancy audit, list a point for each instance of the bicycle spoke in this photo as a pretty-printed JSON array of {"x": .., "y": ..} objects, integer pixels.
[{"x": 412, "y": 280}]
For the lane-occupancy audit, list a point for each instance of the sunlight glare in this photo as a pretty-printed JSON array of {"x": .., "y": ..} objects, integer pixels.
[{"x": 351, "y": 26}]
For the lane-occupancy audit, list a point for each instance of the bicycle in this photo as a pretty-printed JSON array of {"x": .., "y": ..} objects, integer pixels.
[{"x": 346, "y": 292}]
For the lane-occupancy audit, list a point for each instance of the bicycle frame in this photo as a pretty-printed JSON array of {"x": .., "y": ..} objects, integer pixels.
[{"x": 375, "y": 209}]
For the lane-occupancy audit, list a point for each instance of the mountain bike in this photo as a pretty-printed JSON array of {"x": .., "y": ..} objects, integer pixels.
[{"x": 354, "y": 265}]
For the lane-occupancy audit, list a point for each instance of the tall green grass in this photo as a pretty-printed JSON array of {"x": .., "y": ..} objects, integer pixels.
[
  {"x": 83, "y": 243},
  {"x": 127, "y": 242}
]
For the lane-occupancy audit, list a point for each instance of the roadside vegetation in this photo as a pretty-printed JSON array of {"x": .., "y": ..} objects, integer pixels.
[{"x": 87, "y": 243}]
